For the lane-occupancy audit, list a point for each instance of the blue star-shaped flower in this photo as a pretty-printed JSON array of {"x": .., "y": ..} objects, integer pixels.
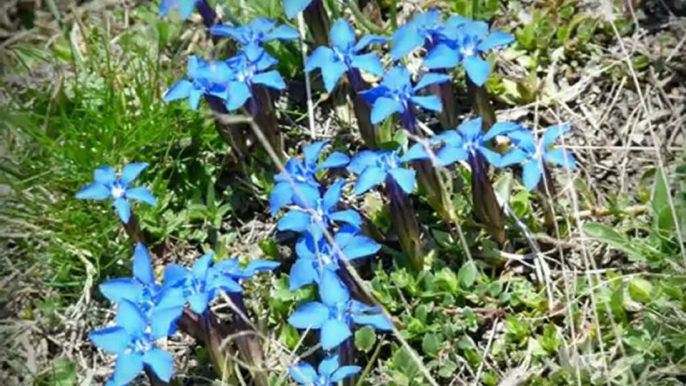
[
  {"x": 249, "y": 68},
  {"x": 232, "y": 268},
  {"x": 396, "y": 94},
  {"x": 198, "y": 286},
  {"x": 294, "y": 7},
  {"x": 316, "y": 216},
  {"x": 329, "y": 373},
  {"x": 314, "y": 257},
  {"x": 107, "y": 185},
  {"x": 297, "y": 184},
  {"x": 424, "y": 30},
  {"x": 336, "y": 312},
  {"x": 203, "y": 78},
  {"x": 532, "y": 153},
  {"x": 132, "y": 340},
  {"x": 374, "y": 167},
  {"x": 464, "y": 44},
  {"x": 458, "y": 145},
  {"x": 183, "y": 7},
  {"x": 344, "y": 55},
  {"x": 141, "y": 289},
  {"x": 257, "y": 32}
]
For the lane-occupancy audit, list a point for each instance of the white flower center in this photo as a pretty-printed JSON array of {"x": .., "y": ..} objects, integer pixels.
[{"x": 117, "y": 192}]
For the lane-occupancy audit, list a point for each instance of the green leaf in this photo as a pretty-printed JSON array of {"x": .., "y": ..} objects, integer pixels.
[
  {"x": 365, "y": 339},
  {"x": 446, "y": 280},
  {"x": 613, "y": 239},
  {"x": 640, "y": 289},
  {"x": 617, "y": 303},
  {"x": 447, "y": 369},
  {"x": 467, "y": 274},
  {"x": 431, "y": 344},
  {"x": 62, "y": 373}
]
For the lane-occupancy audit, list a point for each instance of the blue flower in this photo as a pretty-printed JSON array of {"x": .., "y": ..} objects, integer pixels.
[
  {"x": 132, "y": 340},
  {"x": 396, "y": 94},
  {"x": 315, "y": 216},
  {"x": 336, "y": 313},
  {"x": 458, "y": 145},
  {"x": 198, "y": 286},
  {"x": 464, "y": 45},
  {"x": 248, "y": 69},
  {"x": 183, "y": 7},
  {"x": 257, "y": 32},
  {"x": 344, "y": 55},
  {"x": 107, "y": 185},
  {"x": 141, "y": 289},
  {"x": 202, "y": 78},
  {"x": 532, "y": 153},
  {"x": 424, "y": 30},
  {"x": 329, "y": 373},
  {"x": 297, "y": 184},
  {"x": 294, "y": 7},
  {"x": 374, "y": 167},
  {"x": 314, "y": 257}
]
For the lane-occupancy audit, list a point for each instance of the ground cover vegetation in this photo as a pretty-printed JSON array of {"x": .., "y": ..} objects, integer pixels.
[{"x": 319, "y": 192}]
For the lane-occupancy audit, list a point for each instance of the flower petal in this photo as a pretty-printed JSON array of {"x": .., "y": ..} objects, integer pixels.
[
  {"x": 123, "y": 209},
  {"x": 360, "y": 246},
  {"x": 302, "y": 274},
  {"x": 370, "y": 177},
  {"x": 379, "y": 321},
  {"x": 303, "y": 373},
  {"x": 163, "y": 321},
  {"x": 321, "y": 57},
  {"x": 349, "y": 216},
  {"x": 282, "y": 32},
  {"x": 560, "y": 157},
  {"x": 429, "y": 102},
  {"x": 513, "y": 157},
  {"x": 311, "y": 153},
  {"x": 294, "y": 7},
  {"x": 131, "y": 318},
  {"x": 114, "y": 339},
  {"x": 335, "y": 160},
  {"x": 271, "y": 79},
  {"x": 492, "y": 157},
  {"x": 384, "y": 107},
  {"x": 531, "y": 174},
  {"x": 368, "y": 62},
  {"x": 295, "y": 220},
  {"x": 332, "y": 74},
  {"x": 448, "y": 155},
  {"x": 362, "y": 160},
  {"x": 239, "y": 93},
  {"x": 309, "y": 315},
  {"x": 405, "y": 40},
  {"x": 142, "y": 265},
  {"x": 328, "y": 365},
  {"x": 280, "y": 196},
  {"x": 180, "y": 90},
  {"x": 94, "y": 191},
  {"x": 131, "y": 171},
  {"x": 161, "y": 363},
  {"x": 119, "y": 289},
  {"x": 105, "y": 175},
  {"x": 415, "y": 152},
  {"x": 431, "y": 78},
  {"x": 552, "y": 133},
  {"x": 502, "y": 129},
  {"x": 405, "y": 178},
  {"x": 333, "y": 333},
  {"x": 141, "y": 194},
  {"x": 126, "y": 368},
  {"x": 477, "y": 69},
  {"x": 332, "y": 291},
  {"x": 344, "y": 372},
  {"x": 494, "y": 40},
  {"x": 441, "y": 57},
  {"x": 368, "y": 40},
  {"x": 198, "y": 302},
  {"x": 342, "y": 35},
  {"x": 332, "y": 196}
]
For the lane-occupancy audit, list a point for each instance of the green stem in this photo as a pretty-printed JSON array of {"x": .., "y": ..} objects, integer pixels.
[
  {"x": 482, "y": 103},
  {"x": 394, "y": 14},
  {"x": 370, "y": 364},
  {"x": 359, "y": 16}
]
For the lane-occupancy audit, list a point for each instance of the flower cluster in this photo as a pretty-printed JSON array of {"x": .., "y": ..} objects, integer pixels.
[
  {"x": 314, "y": 211},
  {"x": 147, "y": 310}
]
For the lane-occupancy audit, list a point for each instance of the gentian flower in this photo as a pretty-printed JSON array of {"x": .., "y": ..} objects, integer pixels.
[
  {"x": 107, "y": 185},
  {"x": 532, "y": 153},
  {"x": 424, "y": 30},
  {"x": 374, "y": 167},
  {"x": 329, "y": 373},
  {"x": 464, "y": 45},
  {"x": 396, "y": 94},
  {"x": 314, "y": 257},
  {"x": 248, "y": 69},
  {"x": 183, "y": 7},
  {"x": 344, "y": 56},
  {"x": 257, "y": 32},
  {"x": 458, "y": 145},
  {"x": 232, "y": 268},
  {"x": 294, "y": 7},
  {"x": 297, "y": 183},
  {"x": 132, "y": 340},
  {"x": 317, "y": 214},
  {"x": 336, "y": 312},
  {"x": 141, "y": 290},
  {"x": 198, "y": 286},
  {"x": 203, "y": 78}
]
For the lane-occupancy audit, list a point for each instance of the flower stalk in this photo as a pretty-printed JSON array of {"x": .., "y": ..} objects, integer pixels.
[
  {"x": 318, "y": 22},
  {"x": 485, "y": 203},
  {"x": 261, "y": 108},
  {"x": 247, "y": 341},
  {"x": 404, "y": 220},
  {"x": 481, "y": 103}
]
